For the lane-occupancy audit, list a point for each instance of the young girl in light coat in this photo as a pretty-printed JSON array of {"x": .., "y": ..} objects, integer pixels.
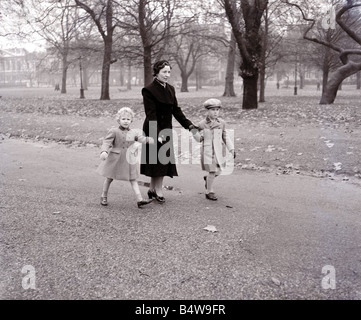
[{"x": 119, "y": 155}]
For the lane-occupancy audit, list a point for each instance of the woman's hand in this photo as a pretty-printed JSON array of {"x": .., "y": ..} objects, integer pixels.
[
  {"x": 104, "y": 155},
  {"x": 192, "y": 126}
]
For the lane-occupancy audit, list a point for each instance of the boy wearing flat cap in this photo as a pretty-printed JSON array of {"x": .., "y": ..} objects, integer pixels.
[{"x": 212, "y": 134}]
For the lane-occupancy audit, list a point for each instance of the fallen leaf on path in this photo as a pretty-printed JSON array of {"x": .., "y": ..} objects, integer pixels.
[
  {"x": 210, "y": 228},
  {"x": 337, "y": 165},
  {"x": 276, "y": 281}
]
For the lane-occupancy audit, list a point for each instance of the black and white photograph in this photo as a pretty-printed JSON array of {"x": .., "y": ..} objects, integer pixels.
[{"x": 180, "y": 157}]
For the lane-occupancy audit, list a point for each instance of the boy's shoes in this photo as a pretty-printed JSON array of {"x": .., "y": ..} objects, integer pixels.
[
  {"x": 205, "y": 181},
  {"x": 143, "y": 202},
  {"x": 211, "y": 196},
  {"x": 103, "y": 201}
]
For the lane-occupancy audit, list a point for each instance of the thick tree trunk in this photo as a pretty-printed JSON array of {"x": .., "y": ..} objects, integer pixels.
[
  {"x": 336, "y": 78},
  {"x": 325, "y": 73},
  {"x": 184, "y": 86},
  {"x": 250, "y": 92},
  {"x": 106, "y": 69},
  {"x": 147, "y": 62},
  {"x": 229, "y": 85}
]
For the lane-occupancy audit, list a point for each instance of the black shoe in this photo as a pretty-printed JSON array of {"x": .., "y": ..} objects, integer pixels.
[
  {"x": 158, "y": 198},
  {"x": 143, "y": 203},
  {"x": 151, "y": 194},
  {"x": 211, "y": 196},
  {"x": 103, "y": 201}
]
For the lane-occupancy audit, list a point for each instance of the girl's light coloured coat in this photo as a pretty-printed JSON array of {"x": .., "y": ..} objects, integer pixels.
[
  {"x": 123, "y": 147},
  {"x": 213, "y": 135}
]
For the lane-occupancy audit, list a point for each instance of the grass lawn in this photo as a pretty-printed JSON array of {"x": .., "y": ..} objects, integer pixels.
[{"x": 287, "y": 134}]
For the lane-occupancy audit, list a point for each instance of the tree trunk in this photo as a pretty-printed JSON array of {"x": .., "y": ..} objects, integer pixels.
[
  {"x": 121, "y": 75},
  {"x": 85, "y": 78},
  {"x": 330, "y": 92},
  {"x": 64, "y": 73},
  {"x": 129, "y": 83},
  {"x": 250, "y": 92},
  {"x": 147, "y": 62},
  {"x": 302, "y": 79},
  {"x": 199, "y": 75},
  {"x": 229, "y": 85},
  {"x": 358, "y": 80},
  {"x": 325, "y": 73},
  {"x": 108, "y": 42},
  {"x": 184, "y": 86}
]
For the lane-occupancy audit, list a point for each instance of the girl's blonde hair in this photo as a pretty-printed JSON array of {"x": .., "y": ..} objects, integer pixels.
[{"x": 124, "y": 110}]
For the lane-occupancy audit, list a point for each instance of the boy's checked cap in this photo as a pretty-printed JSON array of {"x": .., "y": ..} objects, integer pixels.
[{"x": 212, "y": 103}]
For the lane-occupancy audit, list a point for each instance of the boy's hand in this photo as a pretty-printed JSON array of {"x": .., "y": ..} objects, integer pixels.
[{"x": 103, "y": 155}]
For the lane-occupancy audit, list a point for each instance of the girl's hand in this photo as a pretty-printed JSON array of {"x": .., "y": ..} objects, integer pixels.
[
  {"x": 161, "y": 139},
  {"x": 103, "y": 155}
]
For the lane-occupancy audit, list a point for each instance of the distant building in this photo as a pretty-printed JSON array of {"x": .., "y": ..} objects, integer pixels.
[{"x": 17, "y": 68}]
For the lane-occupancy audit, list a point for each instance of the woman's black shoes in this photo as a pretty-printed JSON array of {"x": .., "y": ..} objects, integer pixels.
[
  {"x": 143, "y": 203},
  {"x": 153, "y": 195}
]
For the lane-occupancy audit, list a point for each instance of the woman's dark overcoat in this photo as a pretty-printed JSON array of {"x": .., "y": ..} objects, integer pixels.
[{"x": 160, "y": 104}]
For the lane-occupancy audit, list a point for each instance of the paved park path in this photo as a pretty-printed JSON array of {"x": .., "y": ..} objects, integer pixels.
[{"x": 278, "y": 236}]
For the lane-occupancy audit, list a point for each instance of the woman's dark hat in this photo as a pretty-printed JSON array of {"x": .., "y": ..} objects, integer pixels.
[{"x": 212, "y": 103}]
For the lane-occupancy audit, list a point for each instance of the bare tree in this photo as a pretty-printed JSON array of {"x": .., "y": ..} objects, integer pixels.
[
  {"x": 190, "y": 43},
  {"x": 346, "y": 52},
  {"x": 248, "y": 41},
  {"x": 102, "y": 14}
]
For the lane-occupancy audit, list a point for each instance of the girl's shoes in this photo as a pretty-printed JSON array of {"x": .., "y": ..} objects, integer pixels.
[
  {"x": 211, "y": 196},
  {"x": 103, "y": 201},
  {"x": 153, "y": 195},
  {"x": 143, "y": 203}
]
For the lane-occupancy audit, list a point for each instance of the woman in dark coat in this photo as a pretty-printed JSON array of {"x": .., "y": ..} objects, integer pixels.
[{"x": 160, "y": 105}]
